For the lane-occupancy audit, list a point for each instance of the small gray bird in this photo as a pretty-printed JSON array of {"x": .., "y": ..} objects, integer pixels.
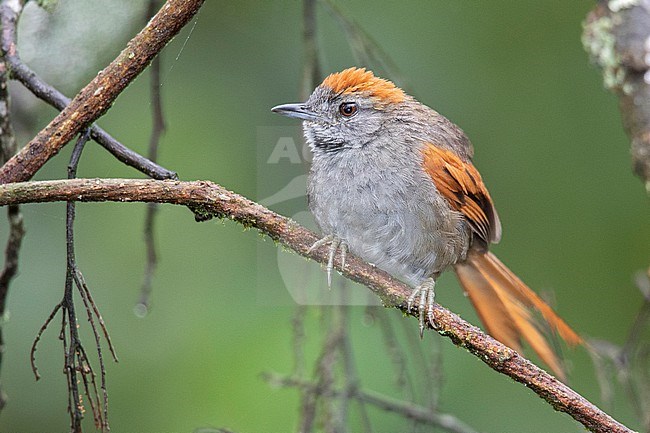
[{"x": 393, "y": 181}]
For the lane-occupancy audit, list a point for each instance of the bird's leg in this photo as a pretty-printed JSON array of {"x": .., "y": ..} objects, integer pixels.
[
  {"x": 427, "y": 295},
  {"x": 335, "y": 243}
]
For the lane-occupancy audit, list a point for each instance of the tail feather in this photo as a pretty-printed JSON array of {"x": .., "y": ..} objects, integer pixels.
[
  {"x": 504, "y": 304},
  {"x": 492, "y": 312},
  {"x": 532, "y": 299}
]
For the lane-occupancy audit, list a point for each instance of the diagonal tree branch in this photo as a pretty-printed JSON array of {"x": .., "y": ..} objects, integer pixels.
[
  {"x": 208, "y": 200},
  {"x": 9, "y": 14},
  {"x": 94, "y": 99}
]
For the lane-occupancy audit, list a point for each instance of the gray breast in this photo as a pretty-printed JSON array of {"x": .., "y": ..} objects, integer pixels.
[{"x": 387, "y": 211}]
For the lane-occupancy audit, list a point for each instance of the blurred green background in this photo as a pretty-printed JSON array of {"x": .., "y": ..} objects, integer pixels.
[{"x": 513, "y": 75}]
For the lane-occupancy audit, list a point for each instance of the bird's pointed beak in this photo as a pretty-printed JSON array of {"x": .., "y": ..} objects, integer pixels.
[{"x": 298, "y": 111}]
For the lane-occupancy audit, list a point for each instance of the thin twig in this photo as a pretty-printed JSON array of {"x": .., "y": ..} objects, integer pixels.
[
  {"x": 157, "y": 129},
  {"x": 91, "y": 308},
  {"x": 75, "y": 356},
  {"x": 324, "y": 385},
  {"x": 628, "y": 365},
  {"x": 76, "y": 360},
  {"x": 641, "y": 322},
  {"x": 207, "y": 200},
  {"x": 12, "y": 250},
  {"x": 75, "y": 404},
  {"x": 298, "y": 345},
  {"x": 96, "y": 98},
  {"x": 311, "y": 73},
  {"x": 365, "y": 49},
  {"x": 91, "y": 305},
  {"x": 8, "y": 147},
  {"x": 384, "y": 402},
  {"x": 350, "y": 375},
  {"x": 309, "y": 398},
  {"x": 32, "y": 352},
  {"x": 434, "y": 375},
  {"x": 396, "y": 353}
]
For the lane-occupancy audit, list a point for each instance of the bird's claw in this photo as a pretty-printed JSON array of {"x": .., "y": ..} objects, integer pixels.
[
  {"x": 426, "y": 294},
  {"x": 335, "y": 244}
]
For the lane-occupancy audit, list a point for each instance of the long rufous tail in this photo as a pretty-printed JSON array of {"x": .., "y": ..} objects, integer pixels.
[{"x": 506, "y": 307}]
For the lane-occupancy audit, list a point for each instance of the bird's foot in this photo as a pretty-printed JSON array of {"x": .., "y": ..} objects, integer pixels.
[
  {"x": 425, "y": 295},
  {"x": 335, "y": 243}
]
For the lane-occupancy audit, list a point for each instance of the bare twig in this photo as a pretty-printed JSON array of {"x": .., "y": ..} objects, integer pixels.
[
  {"x": 324, "y": 374},
  {"x": 8, "y": 147},
  {"x": 44, "y": 326},
  {"x": 157, "y": 129},
  {"x": 395, "y": 353},
  {"x": 16, "y": 232},
  {"x": 94, "y": 99},
  {"x": 349, "y": 377},
  {"x": 351, "y": 385},
  {"x": 422, "y": 381},
  {"x": 298, "y": 332},
  {"x": 207, "y": 200},
  {"x": 628, "y": 364},
  {"x": 365, "y": 49},
  {"x": 642, "y": 321},
  {"x": 409, "y": 410},
  {"x": 75, "y": 349},
  {"x": 77, "y": 364},
  {"x": 76, "y": 359},
  {"x": 101, "y": 417},
  {"x": 311, "y": 73}
]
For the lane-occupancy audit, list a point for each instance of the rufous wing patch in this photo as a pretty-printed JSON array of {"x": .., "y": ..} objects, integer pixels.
[
  {"x": 358, "y": 80},
  {"x": 461, "y": 185}
]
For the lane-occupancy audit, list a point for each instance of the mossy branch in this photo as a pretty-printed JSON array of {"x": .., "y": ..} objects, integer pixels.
[{"x": 216, "y": 201}]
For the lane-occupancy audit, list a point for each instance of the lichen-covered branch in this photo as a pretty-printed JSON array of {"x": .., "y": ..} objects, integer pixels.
[
  {"x": 617, "y": 37},
  {"x": 207, "y": 200}
]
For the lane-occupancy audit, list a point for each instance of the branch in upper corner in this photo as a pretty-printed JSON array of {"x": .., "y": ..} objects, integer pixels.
[
  {"x": 94, "y": 99},
  {"x": 208, "y": 199},
  {"x": 617, "y": 37},
  {"x": 9, "y": 15},
  {"x": 8, "y": 22}
]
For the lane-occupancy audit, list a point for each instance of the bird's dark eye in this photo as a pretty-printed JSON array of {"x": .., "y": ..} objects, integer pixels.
[{"x": 348, "y": 109}]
